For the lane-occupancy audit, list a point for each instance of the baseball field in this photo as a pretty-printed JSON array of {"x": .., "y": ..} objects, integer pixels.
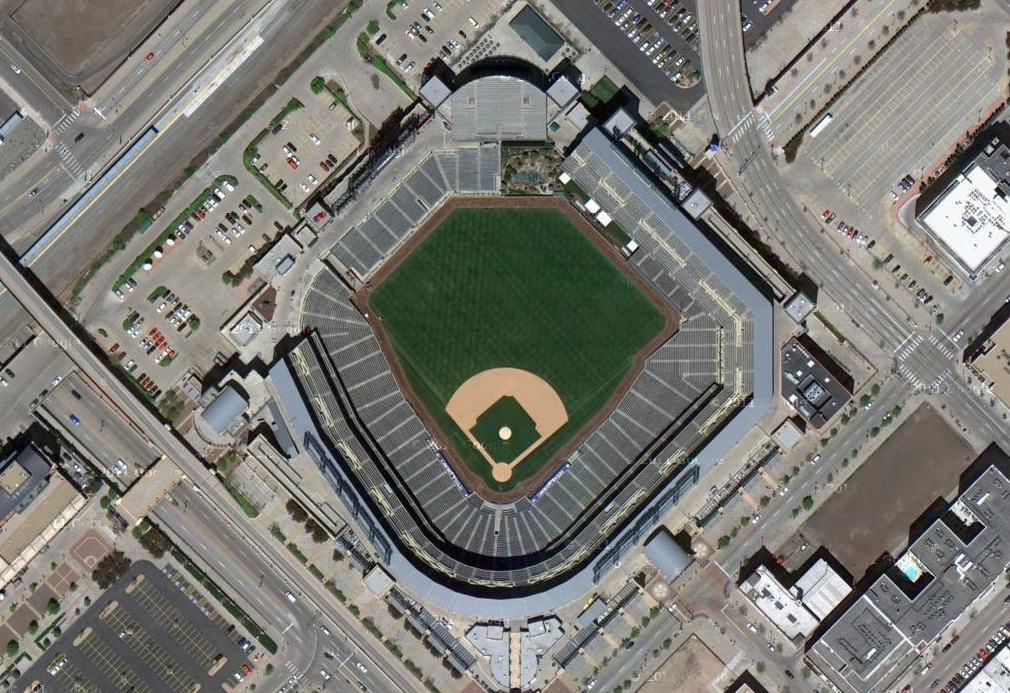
[{"x": 512, "y": 310}]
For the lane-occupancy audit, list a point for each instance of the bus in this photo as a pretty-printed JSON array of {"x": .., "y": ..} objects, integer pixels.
[{"x": 821, "y": 124}]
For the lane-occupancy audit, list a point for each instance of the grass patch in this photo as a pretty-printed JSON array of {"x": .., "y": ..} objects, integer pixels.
[
  {"x": 277, "y": 533},
  {"x": 600, "y": 93},
  {"x": 495, "y": 273},
  {"x": 389, "y": 8},
  {"x": 247, "y": 507},
  {"x": 297, "y": 552}
]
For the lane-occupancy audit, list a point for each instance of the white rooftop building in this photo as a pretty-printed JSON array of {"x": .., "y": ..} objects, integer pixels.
[
  {"x": 782, "y": 608},
  {"x": 971, "y": 219}
]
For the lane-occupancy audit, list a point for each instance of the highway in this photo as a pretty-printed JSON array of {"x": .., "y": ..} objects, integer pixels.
[
  {"x": 248, "y": 574},
  {"x": 224, "y": 514},
  {"x": 121, "y": 109}
]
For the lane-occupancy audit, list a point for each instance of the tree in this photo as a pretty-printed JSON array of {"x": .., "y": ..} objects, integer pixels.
[
  {"x": 807, "y": 502},
  {"x": 318, "y": 84},
  {"x": 296, "y": 511},
  {"x": 319, "y": 534},
  {"x": 939, "y": 319},
  {"x": 33, "y": 627},
  {"x": 875, "y": 389},
  {"x": 155, "y": 541},
  {"x": 110, "y": 569},
  {"x": 52, "y": 607},
  {"x": 12, "y": 648}
]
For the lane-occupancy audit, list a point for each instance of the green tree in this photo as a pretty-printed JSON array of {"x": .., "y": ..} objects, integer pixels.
[
  {"x": 33, "y": 627},
  {"x": 155, "y": 541},
  {"x": 12, "y": 648},
  {"x": 807, "y": 502},
  {"x": 318, "y": 85},
  {"x": 296, "y": 511},
  {"x": 52, "y": 607}
]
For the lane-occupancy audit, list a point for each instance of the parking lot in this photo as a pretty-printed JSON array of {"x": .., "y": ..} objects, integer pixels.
[
  {"x": 308, "y": 145},
  {"x": 150, "y": 632},
  {"x": 664, "y": 31},
  {"x": 165, "y": 327},
  {"x": 423, "y": 27},
  {"x": 612, "y": 40},
  {"x": 884, "y": 128},
  {"x": 99, "y": 430}
]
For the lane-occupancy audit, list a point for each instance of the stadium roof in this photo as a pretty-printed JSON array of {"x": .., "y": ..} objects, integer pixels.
[
  {"x": 225, "y": 408},
  {"x": 537, "y": 33},
  {"x": 666, "y": 554},
  {"x": 499, "y": 108}
]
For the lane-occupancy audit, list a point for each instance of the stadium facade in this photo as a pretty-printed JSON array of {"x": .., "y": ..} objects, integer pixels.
[{"x": 697, "y": 395}]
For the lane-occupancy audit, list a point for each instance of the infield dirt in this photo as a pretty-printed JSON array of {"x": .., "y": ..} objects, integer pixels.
[{"x": 564, "y": 445}]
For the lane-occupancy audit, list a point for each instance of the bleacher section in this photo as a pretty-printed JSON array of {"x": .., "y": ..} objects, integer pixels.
[
  {"x": 467, "y": 170},
  {"x": 681, "y": 414}
]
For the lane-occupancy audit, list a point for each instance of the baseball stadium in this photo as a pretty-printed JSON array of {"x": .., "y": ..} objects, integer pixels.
[{"x": 503, "y": 401}]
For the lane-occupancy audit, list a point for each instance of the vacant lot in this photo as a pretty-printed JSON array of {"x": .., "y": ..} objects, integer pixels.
[
  {"x": 83, "y": 39},
  {"x": 872, "y": 513},
  {"x": 520, "y": 288},
  {"x": 693, "y": 668}
]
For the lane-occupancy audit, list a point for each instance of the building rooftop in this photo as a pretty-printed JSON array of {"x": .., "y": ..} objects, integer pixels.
[
  {"x": 23, "y": 474},
  {"x": 435, "y": 91},
  {"x": 562, "y": 91},
  {"x": 992, "y": 363},
  {"x": 492, "y": 642},
  {"x": 971, "y": 219},
  {"x": 778, "y": 604},
  {"x": 788, "y": 435},
  {"x": 539, "y": 636},
  {"x": 799, "y": 306},
  {"x": 666, "y": 554},
  {"x": 994, "y": 676},
  {"x": 226, "y": 407},
  {"x": 279, "y": 258},
  {"x": 537, "y": 33},
  {"x": 810, "y": 386},
  {"x": 943, "y": 572},
  {"x": 821, "y": 589}
]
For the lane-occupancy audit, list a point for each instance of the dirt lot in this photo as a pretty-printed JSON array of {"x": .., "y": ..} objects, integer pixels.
[
  {"x": 693, "y": 668},
  {"x": 84, "y": 39},
  {"x": 872, "y": 513}
]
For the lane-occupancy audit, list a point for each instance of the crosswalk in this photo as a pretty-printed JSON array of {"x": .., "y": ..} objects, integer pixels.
[
  {"x": 297, "y": 675},
  {"x": 942, "y": 344},
  {"x": 765, "y": 126},
  {"x": 925, "y": 360},
  {"x": 761, "y": 123},
  {"x": 65, "y": 121},
  {"x": 71, "y": 163}
]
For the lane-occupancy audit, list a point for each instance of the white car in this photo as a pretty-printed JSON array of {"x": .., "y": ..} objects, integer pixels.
[
  {"x": 304, "y": 187},
  {"x": 361, "y": 668},
  {"x": 315, "y": 140},
  {"x": 16, "y": 69},
  {"x": 312, "y": 179}
]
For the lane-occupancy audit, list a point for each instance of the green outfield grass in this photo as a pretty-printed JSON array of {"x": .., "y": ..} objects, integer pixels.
[{"x": 519, "y": 288}]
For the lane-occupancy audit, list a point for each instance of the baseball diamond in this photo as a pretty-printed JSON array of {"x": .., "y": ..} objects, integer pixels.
[{"x": 493, "y": 288}]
